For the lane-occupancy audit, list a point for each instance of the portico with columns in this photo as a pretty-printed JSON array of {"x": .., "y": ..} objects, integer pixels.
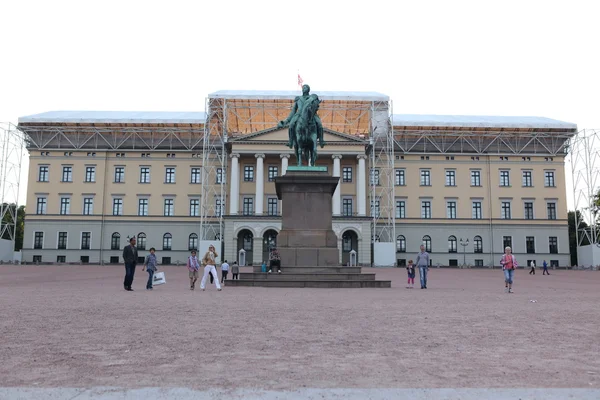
[{"x": 254, "y": 209}]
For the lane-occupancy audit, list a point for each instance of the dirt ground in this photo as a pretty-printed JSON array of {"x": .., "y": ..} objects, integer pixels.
[{"x": 75, "y": 326}]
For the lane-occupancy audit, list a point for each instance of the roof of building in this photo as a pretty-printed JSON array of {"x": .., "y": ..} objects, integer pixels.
[
  {"x": 479, "y": 121},
  {"x": 123, "y": 117},
  {"x": 292, "y": 94}
]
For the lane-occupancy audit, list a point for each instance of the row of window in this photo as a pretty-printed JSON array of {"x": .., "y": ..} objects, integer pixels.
[
  {"x": 478, "y": 244},
  {"x": 115, "y": 241},
  {"x": 425, "y": 177}
]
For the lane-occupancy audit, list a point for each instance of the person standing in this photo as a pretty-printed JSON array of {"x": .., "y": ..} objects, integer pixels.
[
  {"x": 545, "y": 265},
  {"x": 274, "y": 260},
  {"x": 410, "y": 270},
  {"x": 224, "y": 271},
  {"x": 193, "y": 266},
  {"x": 422, "y": 263},
  {"x": 235, "y": 271},
  {"x": 532, "y": 265},
  {"x": 509, "y": 263},
  {"x": 150, "y": 266},
  {"x": 130, "y": 255},
  {"x": 209, "y": 267}
]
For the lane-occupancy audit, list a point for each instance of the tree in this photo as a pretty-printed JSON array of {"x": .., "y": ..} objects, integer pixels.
[
  {"x": 573, "y": 237},
  {"x": 20, "y": 225}
]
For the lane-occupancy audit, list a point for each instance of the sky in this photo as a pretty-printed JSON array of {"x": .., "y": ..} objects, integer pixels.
[{"x": 513, "y": 58}]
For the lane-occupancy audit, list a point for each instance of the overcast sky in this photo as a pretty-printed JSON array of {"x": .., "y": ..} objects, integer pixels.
[{"x": 538, "y": 58}]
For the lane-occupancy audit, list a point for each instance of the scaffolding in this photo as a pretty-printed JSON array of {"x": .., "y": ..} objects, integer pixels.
[
  {"x": 12, "y": 149},
  {"x": 585, "y": 170}
]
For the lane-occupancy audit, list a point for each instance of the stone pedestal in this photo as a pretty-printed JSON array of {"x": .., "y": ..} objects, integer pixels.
[{"x": 306, "y": 237}]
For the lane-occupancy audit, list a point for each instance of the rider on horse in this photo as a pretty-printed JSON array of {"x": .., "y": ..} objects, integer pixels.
[{"x": 295, "y": 114}]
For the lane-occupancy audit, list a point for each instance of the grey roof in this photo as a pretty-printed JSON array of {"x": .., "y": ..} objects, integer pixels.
[
  {"x": 291, "y": 94},
  {"x": 479, "y": 121},
  {"x": 169, "y": 117}
]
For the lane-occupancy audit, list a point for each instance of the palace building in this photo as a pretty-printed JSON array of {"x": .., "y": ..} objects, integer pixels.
[{"x": 464, "y": 186}]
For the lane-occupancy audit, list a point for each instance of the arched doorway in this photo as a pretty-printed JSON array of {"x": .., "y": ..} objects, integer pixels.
[
  {"x": 245, "y": 240},
  {"x": 349, "y": 243},
  {"x": 269, "y": 241}
]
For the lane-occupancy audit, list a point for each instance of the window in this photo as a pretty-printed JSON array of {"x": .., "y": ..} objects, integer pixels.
[
  {"x": 273, "y": 172},
  {"x": 479, "y": 263},
  {"x": 37, "y": 259},
  {"x": 141, "y": 241},
  {"x": 425, "y": 177},
  {"x": 67, "y": 174},
  {"x": 90, "y": 174},
  {"x": 193, "y": 241},
  {"x": 554, "y": 263},
  {"x": 453, "y": 262},
  {"x": 427, "y": 243},
  {"x": 248, "y": 173},
  {"x": 114, "y": 260},
  {"x": 115, "y": 241},
  {"x": 38, "y": 240},
  {"x": 527, "y": 181},
  {"x": 86, "y": 238},
  {"x": 505, "y": 214},
  {"x": 84, "y": 259},
  {"x": 63, "y": 259},
  {"x": 528, "y": 210},
  {"x": 43, "y": 173},
  {"x": 506, "y": 242},
  {"x": 477, "y": 244},
  {"x": 553, "y": 245},
  {"x": 167, "y": 240},
  {"x": 549, "y": 179},
  {"x": 41, "y": 205},
  {"x": 248, "y": 206},
  {"x": 551, "y": 210},
  {"x": 450, "y": 178},
  {"x": 272, "y": 205},
  {"x": 219, "y": 207},
  {"x": 88, "y": 205},
  {"x": 145, "y": 175},
  {"x": 62, "y": 241},
  {"x": 247, "y": 241},
  {"x": 169, "y": 207},
  {"x": 530, "y": 244},
  {"x": 426, "y": 209},
  {"x": 374, "y": 177},
  {"x": 65, "y": 205},
  {"x": 400, "y": 209},
  {"x": 220, "y": 176},
  {"x": 117, "y": 206},
  {"x": 452, "y": 244},
  {"x": 475, "y": 178},
  {"x": 346, "y": 242},
  {"x": 476, "y": 210},
  {"x": 504, "y": 178},
  {"x": 143, "y": 207},
  {"x": 194, "y": 207},
  {"x": 347, "y": 174},
  {"x": 165, "y": 260},
  {"x": 451, "y": 209},
  {"x": 375, "y": 211},
  {"x": 401, "y": 244},
  {"x": 400, "y": 177},
  {"x": 196, "y": 176},
  {"x": 170, "y": 175},
  {"x": 347, "y": 207},
  {"x": 119, "y": 174}
]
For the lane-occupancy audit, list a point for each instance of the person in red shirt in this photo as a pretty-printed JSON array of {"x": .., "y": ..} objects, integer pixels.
[{"x": 509, "y": 264}]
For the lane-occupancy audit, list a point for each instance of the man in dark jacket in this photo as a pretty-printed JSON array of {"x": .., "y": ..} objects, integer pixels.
[{"x": 130, "y": 256}]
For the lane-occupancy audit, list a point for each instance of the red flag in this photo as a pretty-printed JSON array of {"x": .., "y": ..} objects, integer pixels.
[{"x": 300, "y": 81}]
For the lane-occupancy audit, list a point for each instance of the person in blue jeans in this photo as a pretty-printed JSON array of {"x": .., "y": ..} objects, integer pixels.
[
  {"x": 150, "y": 266},
  {"x": 545, "y": 268},
  {"x": 422, "y": 262}
]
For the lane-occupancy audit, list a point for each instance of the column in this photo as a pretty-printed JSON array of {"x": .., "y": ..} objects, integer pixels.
[
  {"x": 234, "y": 189},
  {"x": 284, "y": 163},
  {"x": 336, "y": 200},
  {"x": 361, "y": 193},
  {"x": 260, "y": 184}
]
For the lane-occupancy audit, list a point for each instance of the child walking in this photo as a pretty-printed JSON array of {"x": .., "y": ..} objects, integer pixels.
[
  {"x": 410, "y": 270},
  {"x": 193, "y": 266},
  {"x": 209, "y": 267},
  {"x": 150, "y": 266}
]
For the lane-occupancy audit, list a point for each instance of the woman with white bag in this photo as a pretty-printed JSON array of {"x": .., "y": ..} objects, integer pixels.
[{"x": 209, "y": 267}]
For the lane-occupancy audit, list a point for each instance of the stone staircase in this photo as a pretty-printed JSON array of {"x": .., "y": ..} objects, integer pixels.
[{"x": 314, "y": 277}]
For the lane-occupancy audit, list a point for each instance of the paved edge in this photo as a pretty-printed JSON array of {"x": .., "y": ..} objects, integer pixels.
[{"x": 110, "y": 393}]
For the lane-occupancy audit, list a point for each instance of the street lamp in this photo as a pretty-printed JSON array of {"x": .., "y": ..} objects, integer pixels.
[{"x": 464, "y": 244}]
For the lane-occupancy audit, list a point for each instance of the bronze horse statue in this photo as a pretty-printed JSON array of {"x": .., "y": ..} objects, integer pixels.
[{"x": 306, "y": 129}]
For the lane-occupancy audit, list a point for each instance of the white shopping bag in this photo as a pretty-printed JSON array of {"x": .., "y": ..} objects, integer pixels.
[{"x": 159, "y": 278}]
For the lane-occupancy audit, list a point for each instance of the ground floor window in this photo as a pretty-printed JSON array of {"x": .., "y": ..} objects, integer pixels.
[
  {"x": 37, "y": 258},
  {"x": 401, "y": 262},
  {"x": 114, "y": 260},
  {"x": 61, "y": 259},
  {"x": 453, "y": 263},
  {"x": 479, "y": 263},
  {"x": 554, "y": 263},
  {"x": 166, "y": 260},
  {"x": 85, "y": 259}
]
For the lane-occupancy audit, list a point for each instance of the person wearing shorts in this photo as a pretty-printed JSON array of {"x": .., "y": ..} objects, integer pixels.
[
  {"x": 193, "y": 267},
  {"x": 509, "y": 264}
]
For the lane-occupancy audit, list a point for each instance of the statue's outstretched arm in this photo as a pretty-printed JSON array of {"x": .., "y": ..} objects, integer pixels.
[{"x": 286, "y": 121}]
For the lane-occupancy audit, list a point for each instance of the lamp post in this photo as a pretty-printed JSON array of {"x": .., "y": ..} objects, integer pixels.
[{"x": 464, "y": 244}]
